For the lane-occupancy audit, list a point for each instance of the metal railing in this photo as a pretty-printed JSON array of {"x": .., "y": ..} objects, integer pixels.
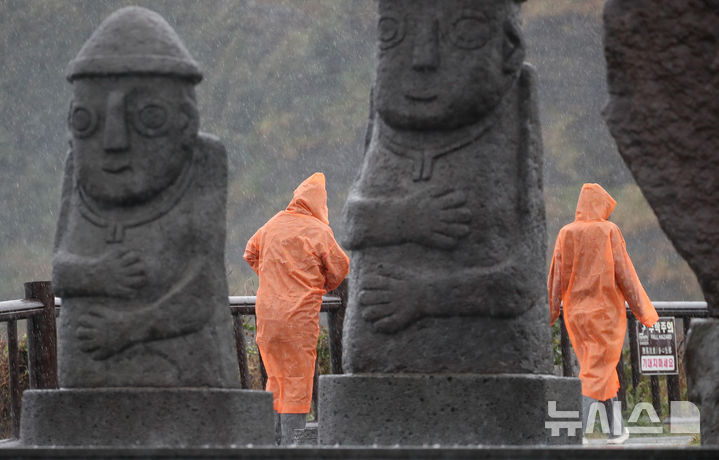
[{"x": 40, "y": 308}]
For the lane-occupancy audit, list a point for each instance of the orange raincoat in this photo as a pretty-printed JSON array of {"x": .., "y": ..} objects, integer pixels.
[
  {"x": 298, "y": 261},
  {"x": 592, "y": 274}
]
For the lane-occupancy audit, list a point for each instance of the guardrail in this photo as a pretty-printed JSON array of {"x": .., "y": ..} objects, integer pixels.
[
  {"x": 40, "y": 308},
  {"x": 685, "y": 310}
]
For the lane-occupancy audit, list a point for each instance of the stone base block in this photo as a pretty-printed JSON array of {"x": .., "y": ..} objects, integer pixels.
[
  {"x": 702, "y": 367},
  {"x": 446, "y": 410},
  {"x": 152, "y": 417},
  {"x": 308, "y": 436}
]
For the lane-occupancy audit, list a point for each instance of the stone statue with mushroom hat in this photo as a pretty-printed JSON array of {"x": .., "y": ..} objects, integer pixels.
[
  {"x": 145, "y": 345},
  {"x": 139, "y": 256}
]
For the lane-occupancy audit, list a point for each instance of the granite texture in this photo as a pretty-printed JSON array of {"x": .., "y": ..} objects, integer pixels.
[
  {"x": 702, "y": 368},
  {"x": 131, "y": 417},
  {"x": 446, "y": 335},
  {"x": 661, "y": 452},
  {"x": 145, "y": 348},
  {"x": 444, "y": 409},
  {"x": 663, "y": 112},
  {"x": 139, "y": 251},
  {"x": 446, "y": 218}
]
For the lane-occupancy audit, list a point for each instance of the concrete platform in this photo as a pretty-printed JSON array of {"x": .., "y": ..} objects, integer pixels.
[
  {"x": 650, "y": 442},
  {"x": 322, "y": 453}
]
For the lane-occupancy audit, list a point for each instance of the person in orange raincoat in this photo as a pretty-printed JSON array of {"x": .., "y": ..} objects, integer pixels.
[
  {"x": 592, "y": 275},
  {"x": 298, "y": 260}
]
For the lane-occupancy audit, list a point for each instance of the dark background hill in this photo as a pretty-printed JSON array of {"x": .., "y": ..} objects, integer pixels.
[{"x": 286, "y": 89}]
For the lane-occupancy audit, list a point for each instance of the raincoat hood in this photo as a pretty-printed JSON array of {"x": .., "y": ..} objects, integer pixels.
[
  {"x": 310, "y": 198},
  {"x": 594, "y": 203}
]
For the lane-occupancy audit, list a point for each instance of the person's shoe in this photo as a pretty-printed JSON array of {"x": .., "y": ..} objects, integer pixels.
[{"x": 621, "y": 439}]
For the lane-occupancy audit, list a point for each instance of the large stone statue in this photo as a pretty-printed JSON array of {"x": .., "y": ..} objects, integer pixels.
[
  {"x": 446, "y": 219},
  {"x": 139, "y": 255},
  {"x": 662, "y": 64}
]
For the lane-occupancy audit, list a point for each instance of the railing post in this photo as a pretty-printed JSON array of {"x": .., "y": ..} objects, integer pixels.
[
  {"x": 241, "y": 349},
  {"x": 315, "y": 390},
  {"x": 13, "y": 364},
  {"x": 566, "y": 347},
  {"x": 42, "y": 337},
  {"x": 335, "y": 320},
  {"x": 634, "y": 351},
  {"x": 263, "y": 371},
  {"x": 672, "y": 390},
  {"x": 656, "y": 395},
  {"x": 622, "y": 394}
]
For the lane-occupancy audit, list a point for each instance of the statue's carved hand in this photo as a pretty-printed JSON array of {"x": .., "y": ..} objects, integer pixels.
[
  {"x": 103, "y": 332},
  {"x": 439, "y": 218},
  {"x": 121, "y": 272},
  {"x": 390, "y": 301}
]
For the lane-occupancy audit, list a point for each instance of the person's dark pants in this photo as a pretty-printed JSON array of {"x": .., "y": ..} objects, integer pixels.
[{"x": 614, "y": 421}]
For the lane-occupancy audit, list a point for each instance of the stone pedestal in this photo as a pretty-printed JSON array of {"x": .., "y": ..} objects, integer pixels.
[
  {"x": 702, "y": 365},
  {"x": 147, "y": 417},
  {"x": 459, "y": 409}
]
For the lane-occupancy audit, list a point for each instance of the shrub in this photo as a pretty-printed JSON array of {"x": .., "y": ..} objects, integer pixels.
[{"x": 6, "y": 430}]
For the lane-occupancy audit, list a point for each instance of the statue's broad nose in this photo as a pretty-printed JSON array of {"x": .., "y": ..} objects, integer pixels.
[
  {"x": 115, "y": 134},
  {"x": 425, "y": 51}
]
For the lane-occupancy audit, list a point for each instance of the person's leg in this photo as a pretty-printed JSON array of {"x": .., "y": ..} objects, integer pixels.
[
  {"x": 290, "y": 423},
  {"x": 587, "y": 409},
  {"x": 615, "y": 419},
  {"x": 273, "y": 385},
  {"x": 618, "y": 434}
]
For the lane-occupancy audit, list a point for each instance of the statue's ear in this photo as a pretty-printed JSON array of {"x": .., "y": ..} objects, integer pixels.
[
  {"x": 513, "y": 48},
  {"x": 189, "y": 119}
]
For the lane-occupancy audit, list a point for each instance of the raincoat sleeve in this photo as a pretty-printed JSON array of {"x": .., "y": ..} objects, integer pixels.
[
  {"x": 629, "y": 283},
  {"x": 336, "y": 265},
  {"x": 554, "y": 283},
  {"x": 252, "y": 253}
]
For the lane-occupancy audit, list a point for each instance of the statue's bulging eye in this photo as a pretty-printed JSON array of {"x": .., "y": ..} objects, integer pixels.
[
  {"x": 82, "y": 121},
  {"x": 390, "y": 31},
  {"x": 153, "y": 116},
  {"x": 470, "y": 32}
]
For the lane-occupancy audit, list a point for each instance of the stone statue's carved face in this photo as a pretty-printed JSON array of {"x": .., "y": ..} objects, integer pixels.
[
  {"x": 443, "y": 64},
  {"x": 130, "y": 135}
]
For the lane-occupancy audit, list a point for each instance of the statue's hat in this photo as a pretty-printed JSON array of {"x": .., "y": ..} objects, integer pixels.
[{"x": 134, "y": 41}]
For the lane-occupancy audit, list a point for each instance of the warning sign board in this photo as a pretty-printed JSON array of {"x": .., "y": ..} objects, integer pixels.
[{"x": 658, "y": 347}]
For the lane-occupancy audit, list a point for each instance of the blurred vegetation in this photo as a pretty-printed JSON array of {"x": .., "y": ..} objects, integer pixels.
[
  {"x": 286, "y": 88},
  {"x": 6, "y": 430}
]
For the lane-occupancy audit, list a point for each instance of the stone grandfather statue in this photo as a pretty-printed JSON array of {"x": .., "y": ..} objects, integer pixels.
[
  {"x": 145, "y": 346},
  {"x": 139, "y": 256},
  {"x": 446, "y": 331},
  {"x": 446, "y": 219}
]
